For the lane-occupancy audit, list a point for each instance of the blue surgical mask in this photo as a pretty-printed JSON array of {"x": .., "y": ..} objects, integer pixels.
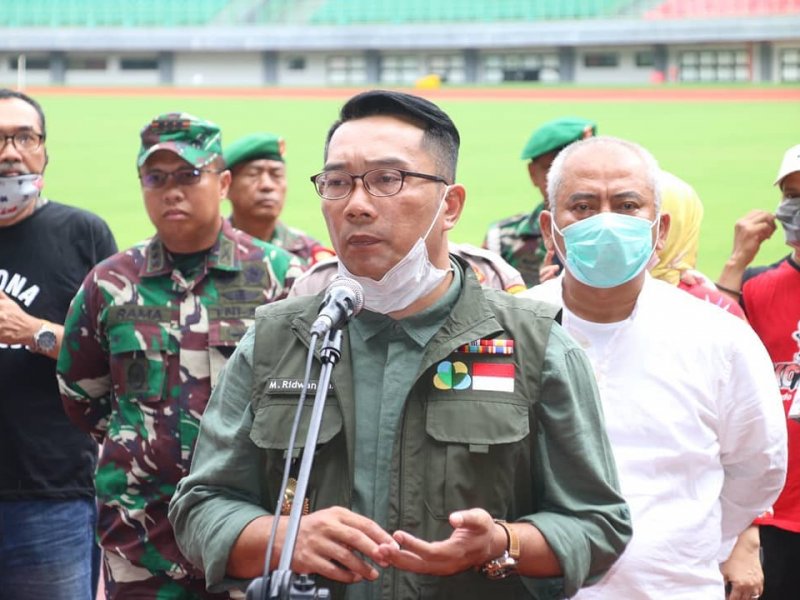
[{"x": 607, "y": 249}]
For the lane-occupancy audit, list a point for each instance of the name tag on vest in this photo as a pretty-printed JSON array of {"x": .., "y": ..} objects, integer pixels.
[{"x": 293, "y": 387}]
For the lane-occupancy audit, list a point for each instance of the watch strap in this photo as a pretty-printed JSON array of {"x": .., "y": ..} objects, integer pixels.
[
  {"x": 506, "y": 564},
  {"x": 512, "y": 539}
]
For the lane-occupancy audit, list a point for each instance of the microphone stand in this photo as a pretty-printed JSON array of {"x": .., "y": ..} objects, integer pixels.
[{"x": 282, "y": 584}]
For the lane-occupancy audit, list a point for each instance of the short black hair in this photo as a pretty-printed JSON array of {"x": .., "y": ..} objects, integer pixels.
[
  {"x": 6, "y": 93},
  {"x": 440, "y": 137}
]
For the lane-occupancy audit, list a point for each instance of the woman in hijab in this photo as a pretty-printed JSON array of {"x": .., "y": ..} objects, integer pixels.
[{"x": 676, "y": 261}]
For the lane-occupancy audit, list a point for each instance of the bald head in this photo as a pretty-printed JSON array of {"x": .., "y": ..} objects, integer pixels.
[{"x": 603, "y": 158}]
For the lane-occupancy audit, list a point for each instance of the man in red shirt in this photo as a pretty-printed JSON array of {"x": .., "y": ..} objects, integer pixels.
[{"x": 770, "y": 297}]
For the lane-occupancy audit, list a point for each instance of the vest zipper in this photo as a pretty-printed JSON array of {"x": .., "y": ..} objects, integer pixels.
[{"x": 400, "y": 490}]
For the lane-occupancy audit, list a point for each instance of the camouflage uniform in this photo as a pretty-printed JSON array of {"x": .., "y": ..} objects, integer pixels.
[
  {"x": 143, "y": 346},
  {"x": 490, "y": 270},
  {"x": 272, "y": 147},
  {"x": 518, "y": 240},
  {"x": 298, "y": 243}
]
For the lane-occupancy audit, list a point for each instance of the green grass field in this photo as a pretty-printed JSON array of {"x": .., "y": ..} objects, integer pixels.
[{"x": 729, "y": 151}]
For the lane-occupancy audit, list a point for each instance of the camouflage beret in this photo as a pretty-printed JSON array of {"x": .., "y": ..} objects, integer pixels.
[
  {"x": 195, "y": 140},
  {"x": 254, "y": 147},
  {"x": 556, "y": 134}
]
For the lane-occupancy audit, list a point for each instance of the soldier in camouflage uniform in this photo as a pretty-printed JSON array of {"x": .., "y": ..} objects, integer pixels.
[
  {"x": 144, "y": 341},
  {"x": 258, "y": 194},
  {"x": 518, "y": 239},
  {"x": 490, "y": 270}
]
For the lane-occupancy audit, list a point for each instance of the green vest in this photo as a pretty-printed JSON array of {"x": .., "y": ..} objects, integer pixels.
[{"x": 456, "y": 449}]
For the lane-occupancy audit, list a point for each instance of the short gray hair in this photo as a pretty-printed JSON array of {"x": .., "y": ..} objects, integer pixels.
[{"x": 556, "y": 172}]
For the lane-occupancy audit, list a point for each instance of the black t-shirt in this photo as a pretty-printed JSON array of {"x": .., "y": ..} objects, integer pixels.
[{"x": 43, "y": 261}]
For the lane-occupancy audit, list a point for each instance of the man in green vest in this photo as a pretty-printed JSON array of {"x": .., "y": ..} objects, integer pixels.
[{"x": 462, "y": 451}]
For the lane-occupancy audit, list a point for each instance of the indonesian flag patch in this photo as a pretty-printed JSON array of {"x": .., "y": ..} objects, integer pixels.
[{"x": 493, "y": 377}]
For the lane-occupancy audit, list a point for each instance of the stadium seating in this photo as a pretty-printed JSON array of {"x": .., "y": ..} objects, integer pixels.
[
  {"x": 342, "y": 12},
  {"x": 108, "y": 13},
  {"x": 278, "y": 11},
  {"x": 698, "y": 9},
  {"x": 184, "y": 13}
]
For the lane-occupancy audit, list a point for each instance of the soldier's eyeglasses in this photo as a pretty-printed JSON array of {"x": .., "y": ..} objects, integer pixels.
[
  {"x": 335, "y": 185},
  {"x": 24, "y": 141},
  {"x": 157, "y": 179}
]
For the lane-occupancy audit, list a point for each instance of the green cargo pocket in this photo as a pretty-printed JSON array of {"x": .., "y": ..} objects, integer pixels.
[
  {"x": 137, "y": 361},
  {"x": 272, "y": 424},
  {"x": 470, "y": 584},
  {"x": 474, "y": 449}
]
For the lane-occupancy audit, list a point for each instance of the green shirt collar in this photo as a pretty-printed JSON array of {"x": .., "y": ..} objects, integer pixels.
[{"x": 420, "y": 327}]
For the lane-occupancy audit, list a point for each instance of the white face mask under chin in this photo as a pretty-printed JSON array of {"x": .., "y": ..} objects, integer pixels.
[{"x": 414, "y": 277}]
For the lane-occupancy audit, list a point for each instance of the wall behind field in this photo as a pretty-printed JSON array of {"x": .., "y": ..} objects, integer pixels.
[
  {"x": 302, "y": 54},
  {"x": 217, "y": 68}
]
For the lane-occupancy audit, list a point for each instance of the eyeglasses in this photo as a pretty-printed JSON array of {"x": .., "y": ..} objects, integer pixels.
[
  {"x": 24, "y": 141},
  {"x": 157, "y": 179},
  {"x": 335, "y": 185}
]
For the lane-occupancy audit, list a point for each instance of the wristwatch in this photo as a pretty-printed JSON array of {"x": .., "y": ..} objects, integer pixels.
[
  {"x": 506, "y": 564},
  {"x": 44, "y": 340}
]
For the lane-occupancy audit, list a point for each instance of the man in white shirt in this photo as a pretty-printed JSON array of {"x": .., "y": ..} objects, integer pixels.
[{"x": 692, "y": 409}]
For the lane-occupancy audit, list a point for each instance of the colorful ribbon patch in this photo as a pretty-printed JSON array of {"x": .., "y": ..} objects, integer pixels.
[{"x": 494, "y": 346}]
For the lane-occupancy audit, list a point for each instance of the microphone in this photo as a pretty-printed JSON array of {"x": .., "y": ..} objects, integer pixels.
[{"x": 344, "y": 299}]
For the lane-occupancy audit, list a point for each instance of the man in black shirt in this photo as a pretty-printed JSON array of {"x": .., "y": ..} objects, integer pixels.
[{"x": 47, "y": 508}]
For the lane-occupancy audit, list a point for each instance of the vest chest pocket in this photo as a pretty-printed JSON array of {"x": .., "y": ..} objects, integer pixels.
[
  {"x": 272, "y": 424},
  {"x": 475, "y": 451},
  {"x": 137, "y": 361}
]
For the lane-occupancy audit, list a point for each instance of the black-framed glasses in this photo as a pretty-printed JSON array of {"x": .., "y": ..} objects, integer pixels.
[
  {"x": 157, "y": 179},
  {"x": 24, "y": 141},
  {"x": 335, "y": 185}
]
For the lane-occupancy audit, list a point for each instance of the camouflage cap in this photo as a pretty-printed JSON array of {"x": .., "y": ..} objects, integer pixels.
[
  {"x": 254, "y": 147},
  {"x": 557, "y": 134},
  {"x": 195, "y": 140}
]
